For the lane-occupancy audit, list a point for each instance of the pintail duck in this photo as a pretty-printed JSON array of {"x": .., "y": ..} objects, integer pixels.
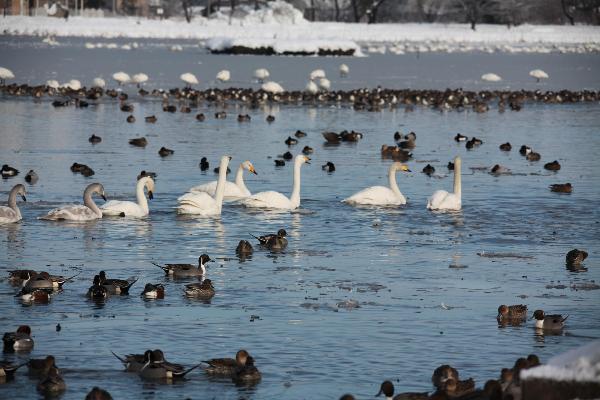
[
  {"x": 506, "y": 147},
  {"x": 18, "y": 276},
  {"x": 561, "y": 187},
  {"x": 151, "y": 119},
  {"x": 133, "y": 362},
  {"x": 553, "y": 322},
  {"x": 43, "y": 280},
  {"x": 156, "y": 367},
  {"x": 186, "y": 270},
  {"x": 575, "y": 257},
  {"x": 37, "y": 296},
  {"x": 244, "y": 248},
  {"x": 387, "y": 389},
  {"x": 203, "y": 164},
  {"x": 145, "y": 173},
  {"x": 533, "y": 156},
  {"x": 512, "y": 313},
  {"x": 116, "y": 286},
  {"x": 524, "y": 150},
  {"x": 226, "y": 366},
  {"x": 153, "y": 291},
  {"x": 52, "y": 384},
  {"x": 307, "y": 150},
  {"x": 202, "y": 290},
  {"x": 98, "y": 393},
  {"x": 138, "y": 142},
  {"x": 40, "y": 367},
  {"x": 94, "y": 139},
  {"x": 31, "y": 177},
  {"x": 8, "y": 171},
  {"x": 329, "y": 167},
  {"x": 164, "y": 152},
  {"x": 12, "y": 213},
  {"x": 18, "y": 341},
  {"x": 7, "y": 370},
  {"x": 97, "y": 291},
  {"x": 460, "y": 138},
  {"x": 290, "y": 141},
  {"x": 270, "y": 119},
  {"x": 264, "y": 239},
  {"x": 200, "y": 117},
  {"x": 552, "y": 166},
  {"x": 246, "y": 374},
  {"x": 455, "y": 388},
  {"x": 428, "y": 170}
]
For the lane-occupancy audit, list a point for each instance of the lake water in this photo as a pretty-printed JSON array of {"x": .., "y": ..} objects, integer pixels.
[{"x": 417, "y": 309}]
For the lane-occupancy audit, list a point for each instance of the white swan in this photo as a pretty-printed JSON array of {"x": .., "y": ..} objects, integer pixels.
[
  {"x": 189, "y": 78},
  {"x": 276, "y": 200},
  {"x": 491, "y": 77},
  {"x": 11, "y": 213},
  {"x": 5, "y": 74},
  {"x": 381, "y": 195},
  {"x": 130, "y": 208},
  {"x": 538, "y": 74},
  {"x": 98, "y": 83},
  {"x": 317, "y": 74},
  {"x": 223, "y": 76},
  {"x": 261, "y": 74},
  {"x": 272, "y": 87},
  {"x": 139, "y": 79},
  {"x": 344, "y": 70},
  {"x": 121, "y": 77},
  {"x": 312, "y": 87},
  {"x": 87, "y": 212},
  {"x": 201, "y": 203},
  {"x": 442, "y": 200},
  {"x": 233, "y": 191}
]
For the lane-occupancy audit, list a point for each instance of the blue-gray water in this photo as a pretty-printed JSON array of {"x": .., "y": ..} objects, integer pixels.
[{"x": 400, "y": 272}]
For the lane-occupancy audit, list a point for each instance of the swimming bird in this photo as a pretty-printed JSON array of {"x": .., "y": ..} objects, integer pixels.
[
  {"x": 7, "y": 370},
  {"x": 538, "y": 74},
  {"x": 220, "y": 115},
  {"x": 189, "y": 79},
  {"x": 552, "y": 166},
  {"x": 156, "y": 367},
  {"x": 116, "y": 286},
  {"x": 491, "y": 77},
  {"x": 276, "y": 200},
  {"x": 290, "y": 141},
  {"x": 525, "y": 150},
  {"x": 139, "y": 79},
  {"x": 460, "y": 138},
  {"x": 204, "y": 165},
  {"x": 274, "y": 241},
  {"x": 506, "y": 147},
  {"x": 133, "y": 362},
  {"x": 94, "y": 139},
  {"x": 272, "y": 87},
  {"x": 53, "y": 384},
  {"x": 387, "y": 389},
  {"x": 153, "y": 291},
  {"x": 121, "y": 77},
  {"x": 307, "y": 150},
  {"x": 381, "y": 195},
  {"x": 317, "y": 74},
  {"x": 18, "y": 341},
  {"x": 264, "y": 239},
  {"x": 87, "y": 212},
  {"x": 344, "y": 70},
  {"x": 12, "y": 213},
  {"x": 246, "y": 374},
  {"x": 200, "y": 117},
  {"x": 553, "y": 322},
  {"x": 575, "y": 257},
  {"x": 261, "y": 74},
  {"x": 151, "y": 119},
  {"x": 143, "y": 173},
  {"x": 5, "y": 74},
  {"x": 164, "y": 152},
  {"x": 244, "y": 118},
  {"x": 129, "y": 208},
  {"x": 244, "y": 249},
  {"x": 202, "y": 203},
  {"x": 226, "y": 366},
  {"x": 279, "y": 163},
  {"x": 223, "y": 76},
  {"x": 324, "y": 84},
  {"x": 139, "y": 142},
  {"x": 186, "y": 270},
  {"x": 31, "y": 177},
  {"x": 99, "y": 83},
  {"x": 98, "y": 394},
  {"x": 455, "y": 388},
  {"x": 329, "y": 167},
  {"x": 561, "y": 187},
  {"x": 233, "y": 190},
  {"x": 442, "y": 373},
  {"x": 512, "y": 313},
  {"x": 8, "y": 171},
  {"x": 311, "y": 87},
  {"x": 202, "y": 290},
  {"x": 287, "y": 156},
  {"x": 97, "y": 291},
  {"x": 499, "y": 169},
  {"x": 533, "y": 156},
  {"x": 131, "y": 119},
  {"x": 270, "y": 118},
  {"x": 40, "y": 367},
  {"x": 442, "y": 200},
  {"x": 82, "y": 169},
  {"x": 428, "y": 170}
]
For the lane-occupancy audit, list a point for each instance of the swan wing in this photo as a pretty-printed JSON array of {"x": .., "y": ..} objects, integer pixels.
[
  {"x": 377, "y": 196},
  {"x": 71, "y": 213},
  {"x": 269, "y": 199},
  {"x": 8, "y": 215},
  {"x": 198, "y": 203},
  {"x": 117, "y": 207},
  {"x": 442, "y": 200},
  {"x": 232, "y": 191}
]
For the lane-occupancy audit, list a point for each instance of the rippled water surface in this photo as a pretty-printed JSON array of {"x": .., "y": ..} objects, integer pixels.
[{"x": 428, "y": 285}]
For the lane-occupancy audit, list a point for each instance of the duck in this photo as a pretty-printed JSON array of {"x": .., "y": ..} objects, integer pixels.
[
  {"x": 132, "y": 362},
  {"x": 204, "y": 165},
  {"x": 43, "y": 280},
  {"x": 89, "y": 211},
  {"x": 332, "y": 137},
  {"x": 290, "y": 141},
  {"x": 94, "y": 139},
  {"x": 164, "y": 152},
  {"x": 533, "y": 156},
  {"x": 233, "y": 190},
  {"x": 279, "y": 163},
  {"x": 8, "y": 171},
  {"x": 575, "y": 257},
  {"x": 244, "y": 249},
  {"x": 329, "y": 167},
  {"x": 511, "y": 313},
  {"x": 395, "y": 153},
  {"x": 116, "y": 286},
  {"x": 428, "y": 170},
  {"x": 200, "y": 117},
  {"x": 130, "y": 119},
  {"x": 561, "y": 187},
  {"x": 552, "y": 166},
  {"x": 98, "y": 394},
  {"x": 16, "y": 277},
  {"x": 153, "y": 291},
  {"x": 244, "y": 118},
  {"x": 387, "y": 389},
  {"x": 460, "y": 138},
  {"x": 277, "y": 243},
  {"x": 202, "y": 290},
  {"x": 499, "y": 169},
  {"x": 300, "y": 134},
  {"x": 276, "y": 200},
  {"x": 287, "y": 156},
  {"x": 351, "y": 136},
  {"x": 169, "y": 108},
  {"x": 270, "y": 119},
  {"x": 246, "y": 374},
  {"x": 129, "y": 208},
  {"x": 20, "y": 340},
  {"x": 455, "y": 388},
  {"x": 138, "y": 142},
  {"x": 441, "y": 374},
  {"x": 524, "y": 150},
  {"x": 553, "y": 322},
  {"x": 264, "y": 239},
  {"x": 40, "y": 367},
  {"x": 143, "y": 173},
  {"x": 202, "y": 203},
  {"x": 220, "y": 115},
  {"x": 307, "y": 150},
  {"x": 97, "y": 291},
  {"x": 31, "y": 177},
  {"x": 151, "y": 119},
  {"x": 7, "y": 370},
  {"x": 156, "y": 367},
  {"x": 226, "y": 366},
  {"x": 126, "y": 108},
  {"x": 53, "y": 384},
  {"x": 506, "y": 146},
  {"x": 441, "y": 200},
  {"x": 33, "y": 295},
  {"x": 381, "y": 195},
  {"x": 186, "y": 270},
  {"x": 11, "y": 214}
]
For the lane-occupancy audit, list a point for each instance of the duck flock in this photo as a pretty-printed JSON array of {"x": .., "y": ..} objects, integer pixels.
[{"x": 207, "y": 200}]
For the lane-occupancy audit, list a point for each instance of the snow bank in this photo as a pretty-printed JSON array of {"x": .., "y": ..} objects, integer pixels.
[
  {"x": 276, "y": 12},
  {"x": 580, "y": 365}
]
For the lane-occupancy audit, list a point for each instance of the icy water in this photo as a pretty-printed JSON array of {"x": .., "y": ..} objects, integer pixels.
[{"x": 428, "y": 285}]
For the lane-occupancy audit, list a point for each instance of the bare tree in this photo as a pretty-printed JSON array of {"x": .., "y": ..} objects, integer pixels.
[
  {"x": 186, "y": 10},
  {"x": 566, "y": 11},
  {"x": 430, "y": 10},
  {"x": 337, "y": 10}
]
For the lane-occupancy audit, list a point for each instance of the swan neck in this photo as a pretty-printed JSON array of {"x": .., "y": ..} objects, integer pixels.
[
  {"x": 12, "y": 198},
  {"x": 239, "y": 178},
  {"x": 141, "y": 197},
  {"x": 221, "y": 183},
  {"x": 457, "y": 181},
  {"x": 89, "y": 202},
  {"x": 295, "y": 197},
  {"x": 392, "y": 180}
]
